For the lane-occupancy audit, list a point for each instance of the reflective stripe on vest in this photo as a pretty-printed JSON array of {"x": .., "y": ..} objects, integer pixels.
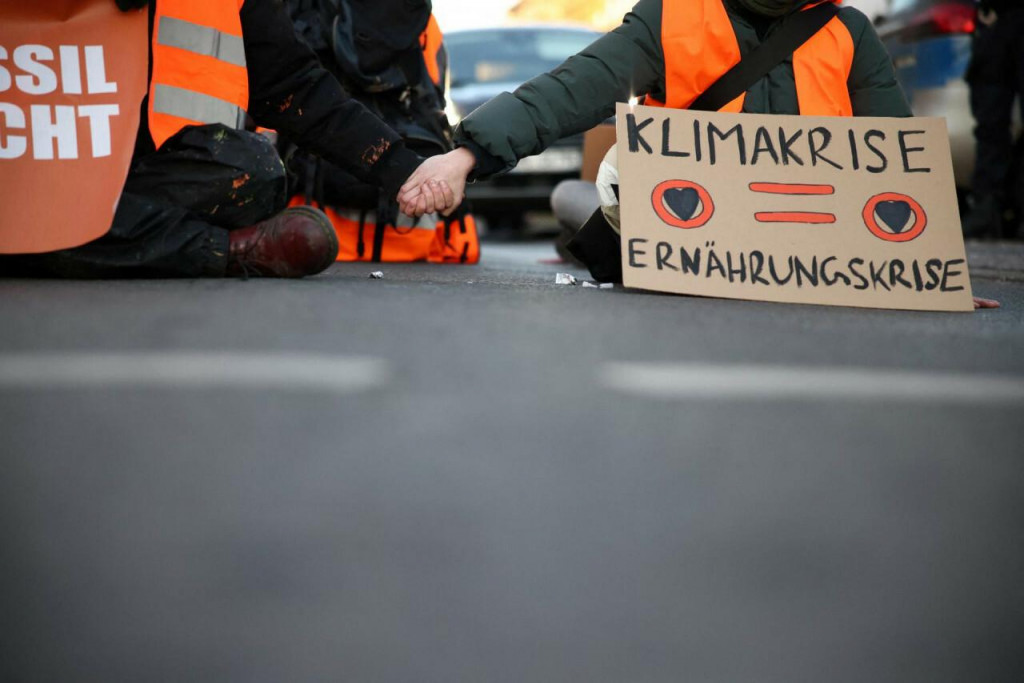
[
  {"x": 700, "y": 46},
  {"x": 202, "y": 40},
  {"x": 195, "y": 106},
  {"x": 199, "y": 75}
]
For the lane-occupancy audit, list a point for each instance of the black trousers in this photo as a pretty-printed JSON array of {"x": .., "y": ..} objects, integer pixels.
[
  {"x": 996, "y": 78},
  {"x": 176, "y": 210}
]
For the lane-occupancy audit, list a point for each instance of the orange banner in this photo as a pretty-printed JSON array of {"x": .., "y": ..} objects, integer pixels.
[{"x": 72, "y": 78}]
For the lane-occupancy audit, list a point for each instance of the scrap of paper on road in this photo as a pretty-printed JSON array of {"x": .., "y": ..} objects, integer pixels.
[
  {"x": 72, "y": 78},
  {"x": 820, "y": 210}
]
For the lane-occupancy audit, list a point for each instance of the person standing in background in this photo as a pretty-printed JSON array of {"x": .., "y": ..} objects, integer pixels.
[{"x": 996, "y": 79}]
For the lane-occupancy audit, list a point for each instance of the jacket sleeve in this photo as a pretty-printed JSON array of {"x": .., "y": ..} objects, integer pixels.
[
  {"x": 292, "y": 92},
  {"x": 873, "y": 88},
  {"x": 572, "y": 98}
]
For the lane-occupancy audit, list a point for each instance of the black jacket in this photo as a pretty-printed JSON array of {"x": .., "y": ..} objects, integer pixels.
[{"x": 291, "y": 92}]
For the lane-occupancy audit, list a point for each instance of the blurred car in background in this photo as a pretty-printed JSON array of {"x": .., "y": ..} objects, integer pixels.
[
  {"x": 930, "y": 44},
  {"x": 487, "y": 62}
]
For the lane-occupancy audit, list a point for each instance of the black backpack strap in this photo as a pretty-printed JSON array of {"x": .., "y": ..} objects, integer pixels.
[{"x": 796, "y": 29}]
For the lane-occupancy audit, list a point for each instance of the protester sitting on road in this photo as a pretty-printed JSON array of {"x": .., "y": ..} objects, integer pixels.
[
  {"x": 667, "y": 52},
  {"x": 206, "y": 199},
  {"x": 706, "y": 37},
  {"x": 996, "y": 78}
]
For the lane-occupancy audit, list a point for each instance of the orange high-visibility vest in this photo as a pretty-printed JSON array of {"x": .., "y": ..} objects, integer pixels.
[
  {"x": 700, "y": 46},
  {"x": 431, "y": 40},
  {"x": 449, "y": 240},
  {"x": 199, "y": 75}
]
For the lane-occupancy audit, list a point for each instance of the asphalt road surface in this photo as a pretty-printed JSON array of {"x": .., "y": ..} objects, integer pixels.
[{"x": 471, "y": 474}]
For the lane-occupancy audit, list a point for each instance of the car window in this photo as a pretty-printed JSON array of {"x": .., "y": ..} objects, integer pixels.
[
  {"x": 897, "y": 6},
  {"x": 511, "y": 55},
  {"x": 902, "y": 6}
]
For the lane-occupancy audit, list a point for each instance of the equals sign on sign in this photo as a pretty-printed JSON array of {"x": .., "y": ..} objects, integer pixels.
[{"x": 794, "y": 190}]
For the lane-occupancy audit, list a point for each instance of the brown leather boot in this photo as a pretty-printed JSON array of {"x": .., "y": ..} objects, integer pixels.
[{"x": 296, "y": 242}]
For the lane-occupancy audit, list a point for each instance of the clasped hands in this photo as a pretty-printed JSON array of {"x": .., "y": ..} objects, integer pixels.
[{"x": 438, "y": 185}]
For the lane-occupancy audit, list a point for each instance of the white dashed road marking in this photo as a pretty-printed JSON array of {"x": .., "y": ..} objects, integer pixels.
[
  {"x": 682, "y": 381},
  {"x": 194, "y": 370}
]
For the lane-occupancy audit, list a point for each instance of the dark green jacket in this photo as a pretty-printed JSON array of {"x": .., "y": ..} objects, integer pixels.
[{"x": 629, "y": 61}]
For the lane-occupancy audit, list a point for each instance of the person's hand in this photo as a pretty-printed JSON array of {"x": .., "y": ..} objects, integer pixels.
[
  {"x": 985, "y": 303},
  {"x": 431, "y": 196},
  {"x": 439, "y": 184}
]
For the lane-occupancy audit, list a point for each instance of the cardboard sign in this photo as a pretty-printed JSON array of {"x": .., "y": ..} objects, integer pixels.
[
  {"x": 838, "y": 211},
  {"x": 72, "y": 78}
]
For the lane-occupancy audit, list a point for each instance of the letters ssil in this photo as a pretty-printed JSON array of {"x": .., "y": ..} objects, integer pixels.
[{"x": 78, "y": 71}]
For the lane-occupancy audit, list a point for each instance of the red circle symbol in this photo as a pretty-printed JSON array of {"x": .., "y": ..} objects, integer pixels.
[
  {"x": 699, "y": 219},
  {"x": 885, "y": 230}
]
